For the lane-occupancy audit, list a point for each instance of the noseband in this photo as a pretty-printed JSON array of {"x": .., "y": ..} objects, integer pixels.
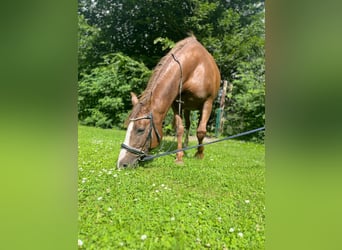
[{"x": 139, "y": 152}]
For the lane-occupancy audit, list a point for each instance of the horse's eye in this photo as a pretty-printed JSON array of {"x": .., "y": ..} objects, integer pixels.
[{"x": 140, "y": 130}]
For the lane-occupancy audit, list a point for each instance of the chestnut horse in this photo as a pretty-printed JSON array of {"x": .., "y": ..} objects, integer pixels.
[{"x": 187, "y": 78}]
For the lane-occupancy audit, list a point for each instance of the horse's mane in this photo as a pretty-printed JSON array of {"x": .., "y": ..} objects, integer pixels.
[
  {"x": 158, "y": 70},
  {"x": 145, "y": 97}
]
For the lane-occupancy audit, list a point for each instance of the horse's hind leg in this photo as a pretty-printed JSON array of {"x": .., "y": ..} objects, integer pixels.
[
  {"x": 187, "y": 127},
  {"x": 202, "y": 127}
]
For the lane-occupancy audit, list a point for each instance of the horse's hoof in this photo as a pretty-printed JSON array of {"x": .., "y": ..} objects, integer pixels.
[
  {"x": 179, "y": 162},
  {"x": 199, "y": 155}
]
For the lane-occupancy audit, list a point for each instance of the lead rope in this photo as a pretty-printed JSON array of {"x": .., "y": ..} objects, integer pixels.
[
  {"x": 151, "y": 157},
  {"x": 180, "y": 85}
]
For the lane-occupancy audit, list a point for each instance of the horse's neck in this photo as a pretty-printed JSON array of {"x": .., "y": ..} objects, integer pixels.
[
  {"x": 162, "y": 100},
  {"x": 165, "y": 89}
]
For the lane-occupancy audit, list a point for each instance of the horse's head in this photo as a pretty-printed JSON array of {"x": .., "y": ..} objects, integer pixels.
[{"x": 141, "y": 136}]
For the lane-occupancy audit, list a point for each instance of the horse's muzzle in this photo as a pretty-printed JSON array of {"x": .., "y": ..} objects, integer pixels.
[
  {"x": 127, "y": 159},
  {"x": 126, "y": 164}
]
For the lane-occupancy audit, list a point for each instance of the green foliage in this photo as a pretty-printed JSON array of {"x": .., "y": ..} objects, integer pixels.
[
  {"x": 240, "y": 53},
  {"x": 169, "y": 129},
  {"x": 166, "y": 42},
  {"x": 131, "y": 26},
  {"x": 216, "y": 203},
  {"x": 247, "y": 108},
  {"x": 87, "y": 38},
  {"x": 203, "y": 20},
  {"x": 104, "y": 94}
]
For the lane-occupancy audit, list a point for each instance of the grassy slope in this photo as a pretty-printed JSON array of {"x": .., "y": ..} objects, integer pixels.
[{"x": 217, "y": 202}]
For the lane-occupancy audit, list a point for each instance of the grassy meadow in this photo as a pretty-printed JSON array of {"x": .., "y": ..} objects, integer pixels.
[{"x": 214, "y": 203}]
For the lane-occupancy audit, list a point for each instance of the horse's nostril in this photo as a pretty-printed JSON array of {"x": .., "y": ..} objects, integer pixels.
[{"x": 125, "y": 165}]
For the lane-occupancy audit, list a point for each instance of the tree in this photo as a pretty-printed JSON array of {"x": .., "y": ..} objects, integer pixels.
[
  {"x": 131, "y": 26},
  {"x": 103, "y": 95},
  {"x": 88, "y": 36},
  {"x": 247, "y": 107}
]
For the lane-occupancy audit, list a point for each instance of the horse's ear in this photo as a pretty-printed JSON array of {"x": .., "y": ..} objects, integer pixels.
[{"x": 134, "y": 99}]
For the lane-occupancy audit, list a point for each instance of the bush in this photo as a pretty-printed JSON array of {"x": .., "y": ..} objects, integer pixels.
[
  {"x": 104, "y": 94},
  {"x": 247, "y": 107}
]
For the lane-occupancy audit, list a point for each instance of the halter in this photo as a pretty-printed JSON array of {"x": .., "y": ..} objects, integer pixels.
[{"x": 139, "y": 152}]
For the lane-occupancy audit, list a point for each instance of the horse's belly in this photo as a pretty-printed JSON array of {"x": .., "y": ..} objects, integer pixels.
[{"x": 191, "y": 102}]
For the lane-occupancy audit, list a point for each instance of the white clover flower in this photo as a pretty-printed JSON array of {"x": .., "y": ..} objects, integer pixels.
[
  {"x": 219, "y": 219},
  {"x": 247, "y": 201},
  {"x": 172, "y": 218},
  {"x": 79, "y": 243},
  {"x": 115, "y": 175},
  {"x": 231, "y": 229},
  {"x": 99, "y": 198},
  {"x": 143, "y": 237},
  {"x": 109, "y": 209},
  {"x": 240, "y": 234},
  {"x": 162, "y": 185}
]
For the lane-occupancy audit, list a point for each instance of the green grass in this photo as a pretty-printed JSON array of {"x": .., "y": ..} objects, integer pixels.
[{"x": 217, "y": 202}]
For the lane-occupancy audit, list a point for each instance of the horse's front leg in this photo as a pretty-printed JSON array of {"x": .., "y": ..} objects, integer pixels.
[
  {"x": 179, "y": 133},
  {"x": 202, "y": 127}
]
